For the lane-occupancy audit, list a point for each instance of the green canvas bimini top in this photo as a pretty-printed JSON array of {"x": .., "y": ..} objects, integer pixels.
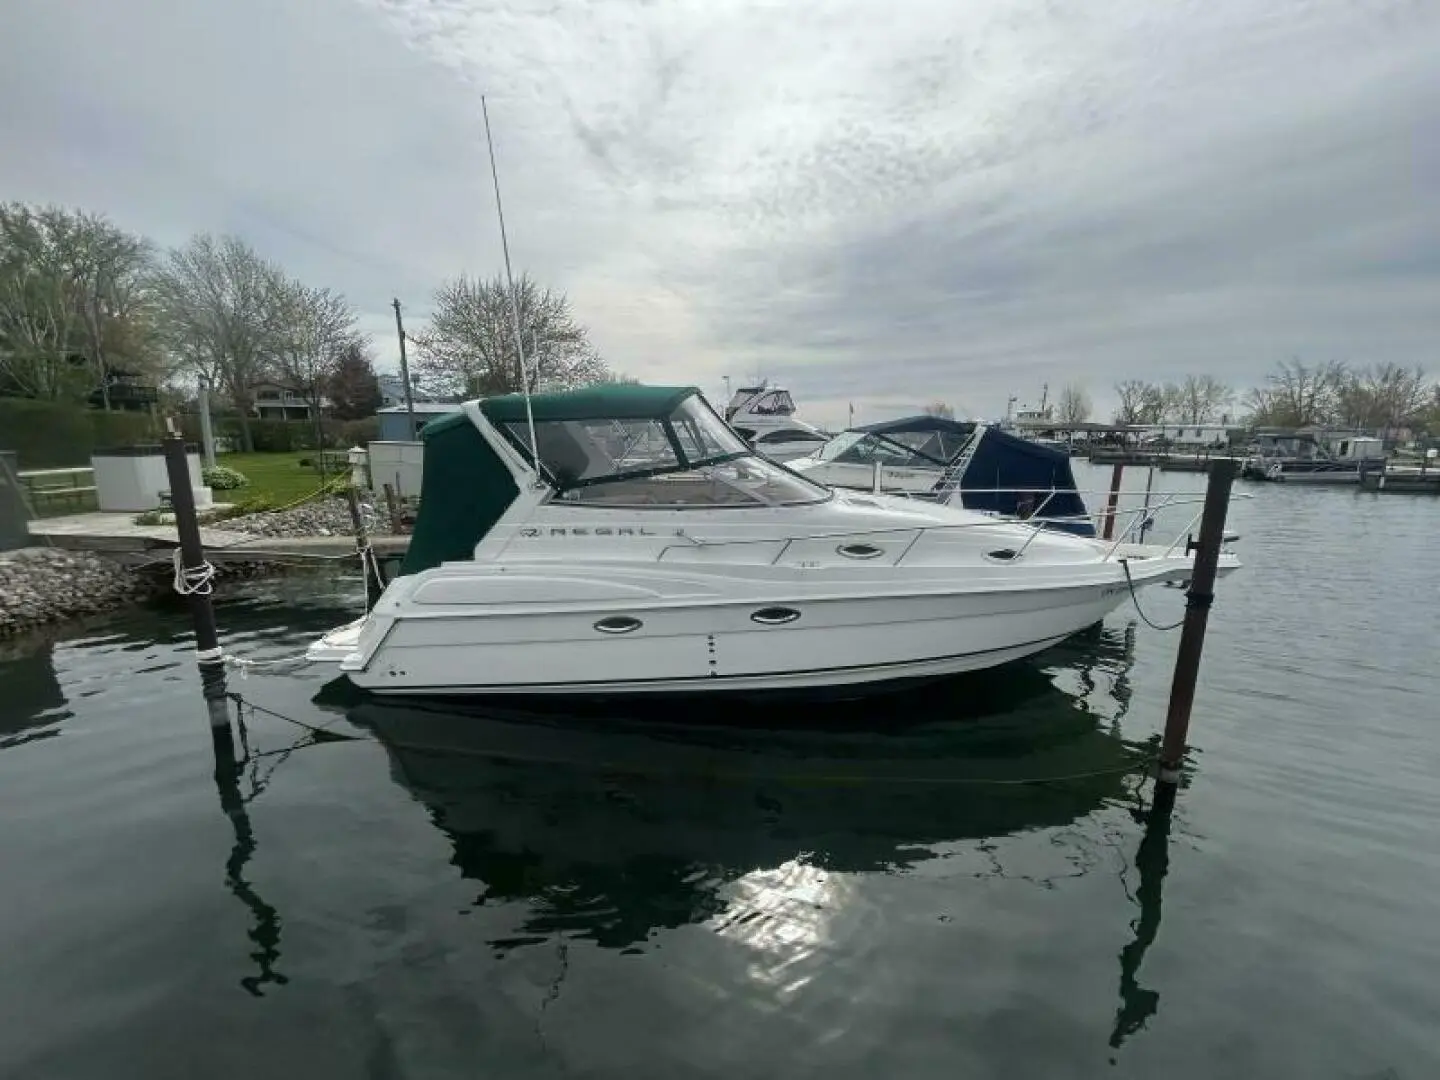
[{"x": 618, "y": 401}]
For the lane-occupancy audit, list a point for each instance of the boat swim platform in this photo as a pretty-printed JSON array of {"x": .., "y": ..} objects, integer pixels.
[{"x": 117, "y": 536}]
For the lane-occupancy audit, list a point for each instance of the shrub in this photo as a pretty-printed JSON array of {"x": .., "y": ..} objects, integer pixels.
[
  {"x": 358, "y": 432},
  {"x": 56, "y": 434},
  {"x": 223, "y": 478}
]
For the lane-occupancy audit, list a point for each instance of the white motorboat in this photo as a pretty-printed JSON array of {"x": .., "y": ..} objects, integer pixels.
[
  {"x": 969, "y": 464},
  {"x": 764, "y": 416},
  {"x": 702, "y": 568}
]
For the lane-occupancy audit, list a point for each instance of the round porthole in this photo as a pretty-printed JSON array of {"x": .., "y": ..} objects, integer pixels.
[
  {"x": 775, "y": 616},
  {"x": 617, "y": 624},
  {"x": 1003, "y": 554},
  {"x": 860, "y": 551}
]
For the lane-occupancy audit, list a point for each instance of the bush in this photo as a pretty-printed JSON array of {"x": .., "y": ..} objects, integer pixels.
[
  {"x": 60, "y": 434},
  {"x": 270, "y": 436},
  {"x": 357, "y": 432},
  {"x": 223, "y": 478}
]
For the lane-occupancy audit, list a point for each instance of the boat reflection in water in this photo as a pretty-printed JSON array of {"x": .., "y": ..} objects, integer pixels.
[{"x": 611, "y": 826}]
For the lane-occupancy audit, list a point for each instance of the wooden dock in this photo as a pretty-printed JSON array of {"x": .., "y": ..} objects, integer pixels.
[
  {"x": 117, "y": 536},
  {"x": 1418, "y": 481}
]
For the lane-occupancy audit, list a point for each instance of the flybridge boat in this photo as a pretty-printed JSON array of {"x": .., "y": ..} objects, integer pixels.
[
  {"x": 623, "y": 540},
  {"x": 968, "y": 464},
  {"x": 764, "y": 416}
]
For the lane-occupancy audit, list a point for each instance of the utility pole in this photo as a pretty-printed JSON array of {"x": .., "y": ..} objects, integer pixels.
[
  {"x": 405, "y": 371},
  {"x": 207, "y": 434}
]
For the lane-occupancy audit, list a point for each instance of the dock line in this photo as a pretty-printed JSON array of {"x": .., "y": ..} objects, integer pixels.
[{"x": 1134, "y": 599}]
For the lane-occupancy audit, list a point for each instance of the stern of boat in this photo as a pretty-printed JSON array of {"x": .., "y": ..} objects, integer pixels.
[{"x": 337, "y": 646}]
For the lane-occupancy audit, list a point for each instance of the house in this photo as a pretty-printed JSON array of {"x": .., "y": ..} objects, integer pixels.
[
  {"x": 280, "y": 401},
  {"x": 1188, "y": 436},
  {"x": 395, "y": 424},
  {"x": 392, "y": 391}
]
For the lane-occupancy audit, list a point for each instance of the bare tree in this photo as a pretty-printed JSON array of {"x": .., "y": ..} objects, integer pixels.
[
  {"x": 939, "y": 408},
  {"x": 1134, "y": 395},
  {"x": 310, "y": 330},
  {"x": 1073, "y": 406},
  {"x": 1430, "y": 415},
  {"x": 215, "y": 306},
  {"x": 1298, "y": 395},
  {"x": 38, "y": 314},
  {"x": 469, "y": 346},
  {"x": 110, "y": 270},
  {"x": 71, "y": 287},
  {"x": 1384, "y": 397},
  {"x": 1200, "y": 399}
]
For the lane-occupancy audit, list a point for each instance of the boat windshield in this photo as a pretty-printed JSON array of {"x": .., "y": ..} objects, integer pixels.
[
  {"x": 689, "y": 458},
  {"x": 916, "y": 448}
]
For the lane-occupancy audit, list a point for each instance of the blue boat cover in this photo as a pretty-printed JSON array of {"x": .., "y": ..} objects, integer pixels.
[{"x": 1010, "y": 465}]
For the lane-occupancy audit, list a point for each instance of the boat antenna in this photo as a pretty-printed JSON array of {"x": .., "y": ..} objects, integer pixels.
[{"x": 514, "y": 298}]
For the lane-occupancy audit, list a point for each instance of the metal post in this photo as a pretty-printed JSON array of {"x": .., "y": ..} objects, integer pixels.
[
  {"x": 405, "y": 372},
  {"x": 207, "y": 434},
  {"x": 192, "y": 551},
  {"x": 1116, "y": 474},
  {"x": 1197, "y": 614},
  {"x": 1145, "y": 514}
]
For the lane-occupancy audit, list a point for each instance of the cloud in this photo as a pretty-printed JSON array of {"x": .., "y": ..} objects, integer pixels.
[{"x": 878, "y": 203}]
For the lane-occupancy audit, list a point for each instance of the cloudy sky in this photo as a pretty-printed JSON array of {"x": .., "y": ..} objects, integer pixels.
[{"x": 879, "y": 201}]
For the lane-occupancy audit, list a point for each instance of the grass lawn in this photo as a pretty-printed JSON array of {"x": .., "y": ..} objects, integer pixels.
[{"x": 280, "y": 478}]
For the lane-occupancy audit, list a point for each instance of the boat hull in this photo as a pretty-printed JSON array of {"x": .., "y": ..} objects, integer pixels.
[{"x": 684, "y": 641}]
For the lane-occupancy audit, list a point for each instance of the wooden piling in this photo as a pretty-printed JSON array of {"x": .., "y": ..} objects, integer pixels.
[
  {"x": 1197, "y": 614},
  {"x": 194, "y": 568},
  {"x": 392, "y": 506},
  {"x": 1116, "y": 474}
]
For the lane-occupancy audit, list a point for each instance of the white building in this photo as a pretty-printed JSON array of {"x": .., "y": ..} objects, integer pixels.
[{"x": 1196, "y": 436}]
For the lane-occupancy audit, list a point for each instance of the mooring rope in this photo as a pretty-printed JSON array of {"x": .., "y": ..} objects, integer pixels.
[
  {"x": 1135, "y": 599},
  {"x": 193, "y": 580}
]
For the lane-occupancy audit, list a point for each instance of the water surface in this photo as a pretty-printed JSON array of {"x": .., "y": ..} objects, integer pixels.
[{"x": 413, "y": 890}]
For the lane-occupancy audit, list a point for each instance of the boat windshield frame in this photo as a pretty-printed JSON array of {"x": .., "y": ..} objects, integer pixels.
[{"x": 705, "y": 426}]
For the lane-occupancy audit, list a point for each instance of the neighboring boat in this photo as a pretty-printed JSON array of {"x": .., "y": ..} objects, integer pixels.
[
  {"x": 764, "y": 416},
  {"x": 652, "y": 551},
  {"x": 969, "y": 464},
  {"x": 1300, "y": 458},
  {"x": 912, "y": 454}
]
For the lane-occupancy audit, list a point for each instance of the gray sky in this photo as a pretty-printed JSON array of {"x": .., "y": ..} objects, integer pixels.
[{"x": 880, "y": 202}]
